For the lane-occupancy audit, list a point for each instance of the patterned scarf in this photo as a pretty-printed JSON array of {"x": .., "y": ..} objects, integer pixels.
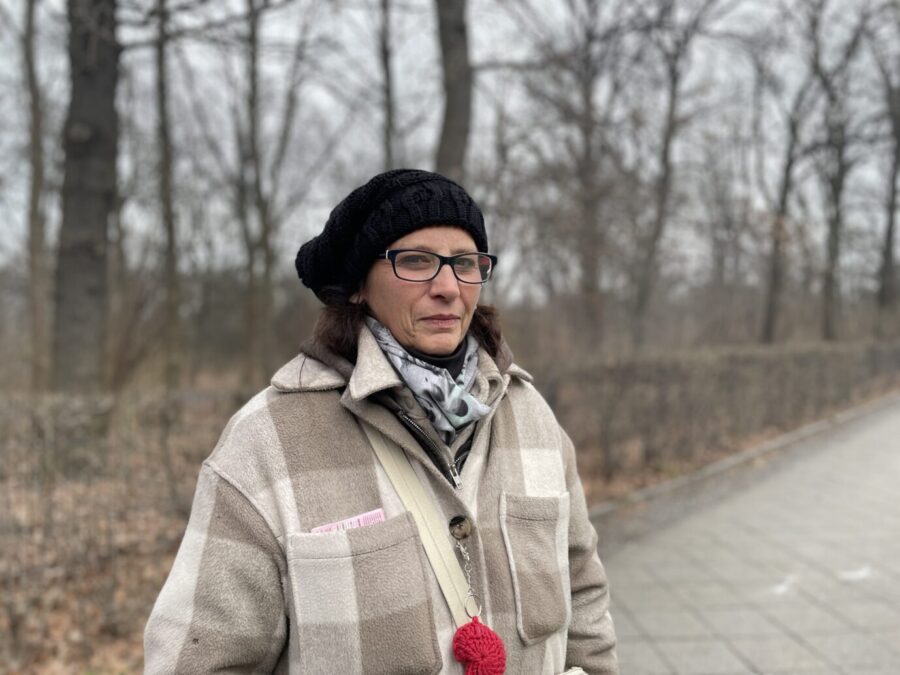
[{"x": 448, "y": 403}]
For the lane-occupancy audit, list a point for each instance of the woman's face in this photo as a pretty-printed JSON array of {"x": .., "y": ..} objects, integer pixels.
[{"x": 430, "y": 316}]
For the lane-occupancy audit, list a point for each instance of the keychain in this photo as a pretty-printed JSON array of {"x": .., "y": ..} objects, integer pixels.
[{"x": 475, "y": 645}]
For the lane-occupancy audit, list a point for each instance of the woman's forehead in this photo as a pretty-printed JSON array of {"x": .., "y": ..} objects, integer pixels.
[{"x": 438, "y": 238}]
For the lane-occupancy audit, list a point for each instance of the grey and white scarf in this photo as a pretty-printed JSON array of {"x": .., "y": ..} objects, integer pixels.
[{"x": 448, "y": 403}]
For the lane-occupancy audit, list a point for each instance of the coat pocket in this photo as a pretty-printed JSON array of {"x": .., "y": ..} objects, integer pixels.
[
  {"x": 535, "y": 533},
  {"x": 361, "y": 602}
]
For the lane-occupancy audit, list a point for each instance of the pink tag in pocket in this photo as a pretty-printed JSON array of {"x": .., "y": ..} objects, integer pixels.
[{"x": 363, "y": 519}]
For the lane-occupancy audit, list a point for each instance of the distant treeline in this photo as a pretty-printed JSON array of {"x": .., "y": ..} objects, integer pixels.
[{"x": 655, "y": 173}]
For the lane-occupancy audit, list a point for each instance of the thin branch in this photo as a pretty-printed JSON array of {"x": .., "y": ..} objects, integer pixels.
[
  {"x": 212, "y": 25},
  {"x": 295, "y": 199},
  {"x": 209, "y": 139},
  {"x": 147, "y": 16},
  {"x": 528, "y": 65},
  {"x": 289, "y": 107},
  {"x": 8, "y": 21}
]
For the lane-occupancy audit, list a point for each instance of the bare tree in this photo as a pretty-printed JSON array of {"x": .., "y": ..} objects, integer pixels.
[
  {"x": 173, "y": 343},
  {"x": 725, "y": 218},
  {"x": 673, "y": 39},
  {"x": 890, "y": 90},
  {"x": 38, "y": 269},
  {"x": 253, "y": 197},
  {"x": 257, "y": 164},
  {"x": 90, "y": 141},
  {"x": 574, "y": 81},
  {"x": 261, "y": 184},
  {"x": 167, "y": 201},
  {"x": 457, "y": 74},
  {"x": 791, "y": 108},
  {"x": 136, "y": 280},
  {"x": 836, "y": 160},
  {"x": 389, "y": 126},
  {"x": 592, "y": 59}
]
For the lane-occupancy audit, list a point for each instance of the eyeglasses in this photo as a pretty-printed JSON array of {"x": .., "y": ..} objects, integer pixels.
[{"x": 412, "y": 264}]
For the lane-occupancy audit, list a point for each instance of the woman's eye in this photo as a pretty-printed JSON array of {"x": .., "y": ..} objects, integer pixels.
[{"x": 414, "y": 260}]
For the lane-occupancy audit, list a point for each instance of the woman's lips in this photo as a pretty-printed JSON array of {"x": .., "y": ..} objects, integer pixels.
[{"x": 441, "y": 320}]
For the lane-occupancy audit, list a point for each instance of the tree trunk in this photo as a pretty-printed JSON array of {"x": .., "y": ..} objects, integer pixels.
[
  {"x": 265, "y": 290},
  {"x": 242, "y": 210},
  {"x": 647, "y": 273},
  {"x": 451, "y": 153},
  {"x": 775, "y": 287},
  {"x": 90, "y": 141},
  {"x": 886, "y": 274},
  {"x": 38, "y": 273},
  {"x": 830, "y": 284},
  {"x": 830, "y": 289},
  {"x": 389, "y": 126},
  {"x": 835, "y": 83},
  {"x": 166, "y": 200},
  {"x": 173, "y": 347},
  {"x": 590, "y": 239}
]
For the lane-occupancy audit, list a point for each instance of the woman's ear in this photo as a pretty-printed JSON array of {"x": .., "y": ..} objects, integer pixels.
[{"x": 359, "y": 297}]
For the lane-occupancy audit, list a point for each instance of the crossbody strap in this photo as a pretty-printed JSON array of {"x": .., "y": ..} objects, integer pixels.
[{"x": 432, "y": 529}]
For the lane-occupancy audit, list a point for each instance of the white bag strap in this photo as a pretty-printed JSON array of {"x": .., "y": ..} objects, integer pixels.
[{"x": 432, "y": 530}]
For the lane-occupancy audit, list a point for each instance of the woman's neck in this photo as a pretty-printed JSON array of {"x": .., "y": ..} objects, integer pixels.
[{"x": 452, "y": 362}]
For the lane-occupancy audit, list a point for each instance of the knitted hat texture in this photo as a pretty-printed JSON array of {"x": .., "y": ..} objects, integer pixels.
[{"x": 363, "y": 225}]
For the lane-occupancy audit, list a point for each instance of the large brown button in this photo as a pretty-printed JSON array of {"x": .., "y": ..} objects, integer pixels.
[{"x": 460, "y": 527}]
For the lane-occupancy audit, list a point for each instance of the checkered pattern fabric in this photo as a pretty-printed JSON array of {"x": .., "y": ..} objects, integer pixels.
[{"x": 252, "y": 589}]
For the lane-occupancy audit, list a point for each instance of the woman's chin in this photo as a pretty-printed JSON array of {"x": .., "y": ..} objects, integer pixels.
[{"x": 438, "y": 345}]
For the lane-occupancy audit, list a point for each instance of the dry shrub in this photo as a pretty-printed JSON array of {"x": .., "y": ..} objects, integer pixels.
[
  {"x": 648, "y": 413},
  {"x": 94, "y": 492}
]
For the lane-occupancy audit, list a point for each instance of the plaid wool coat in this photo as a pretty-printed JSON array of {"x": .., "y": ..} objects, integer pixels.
[{"x": 252, "y": 590}]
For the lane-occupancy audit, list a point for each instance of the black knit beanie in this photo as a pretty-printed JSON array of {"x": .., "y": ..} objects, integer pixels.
[{"x": 391, "y": 205}]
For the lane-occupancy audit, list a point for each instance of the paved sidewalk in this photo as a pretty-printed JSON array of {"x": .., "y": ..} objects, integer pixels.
[{"x": 796, "y": 574}]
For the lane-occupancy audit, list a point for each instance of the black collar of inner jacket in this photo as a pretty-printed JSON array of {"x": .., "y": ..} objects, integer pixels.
[{"x": 452, "y": 362}]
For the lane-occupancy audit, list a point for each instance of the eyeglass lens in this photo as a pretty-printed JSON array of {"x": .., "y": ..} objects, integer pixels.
[{"x": 472, "y": 268}]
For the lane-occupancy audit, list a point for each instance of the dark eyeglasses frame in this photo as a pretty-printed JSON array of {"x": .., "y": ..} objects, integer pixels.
[{"x": 392, "y": 253}]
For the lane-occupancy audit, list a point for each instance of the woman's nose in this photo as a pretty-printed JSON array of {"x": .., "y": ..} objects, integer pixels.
[{"x": 445, "y": 283}]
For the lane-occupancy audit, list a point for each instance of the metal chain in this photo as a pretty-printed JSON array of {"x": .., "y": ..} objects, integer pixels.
[{"x": 470, "y": 593}]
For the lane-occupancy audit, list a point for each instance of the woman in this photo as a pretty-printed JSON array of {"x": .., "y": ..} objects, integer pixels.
[{"x": 300, "y": 555}]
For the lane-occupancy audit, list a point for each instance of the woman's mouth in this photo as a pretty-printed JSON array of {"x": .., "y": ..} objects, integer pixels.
[{"x": 441, "y": 320}]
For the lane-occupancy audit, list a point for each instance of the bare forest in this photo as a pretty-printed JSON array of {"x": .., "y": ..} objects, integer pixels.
[{"x": 694, "y": 204}]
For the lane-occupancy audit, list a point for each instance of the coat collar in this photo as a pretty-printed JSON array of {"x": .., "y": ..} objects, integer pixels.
[
  {"x": 373, "y": 371},
  {"x": 304, "y": 373},
  {"x": 315, "y": 369}
]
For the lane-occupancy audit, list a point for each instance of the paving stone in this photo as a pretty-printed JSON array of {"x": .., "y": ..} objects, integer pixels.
[
  {"x": 649, "y": 598},
  {"x": 740, "y": 622},
  {"x": 874, "y": 615},
  {"x": 772, "y": 653},
  {"x": 634, "y": 578},
  {"x": 706, "y": 657},
  {"x": 807, "y": 620},
  {"x": 890, "y": 638},
  {"x": 675, "y": 574},
  {"x": 708, "y": 595},
  {"x": 744, "y": 573},
  {"x": 785, "y": 590},
  {"x": 640, "y": 658},
  {"x": 672, "y": 624},
  {"x": 856, "y": 650},
  {"x": 625, "y": 627},
  {"x": 798, "y": 574},
  {"x": 807, "y": 671}
]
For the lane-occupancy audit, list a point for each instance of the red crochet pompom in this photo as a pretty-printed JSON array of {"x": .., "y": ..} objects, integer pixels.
[{"x": 479, "y": 649}]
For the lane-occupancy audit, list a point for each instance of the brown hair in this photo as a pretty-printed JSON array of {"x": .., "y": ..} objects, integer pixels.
[{"x": 339, "y": 324}]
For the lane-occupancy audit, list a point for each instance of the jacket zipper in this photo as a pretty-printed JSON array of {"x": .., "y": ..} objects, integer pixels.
[{"x": 447, "y": 468}]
